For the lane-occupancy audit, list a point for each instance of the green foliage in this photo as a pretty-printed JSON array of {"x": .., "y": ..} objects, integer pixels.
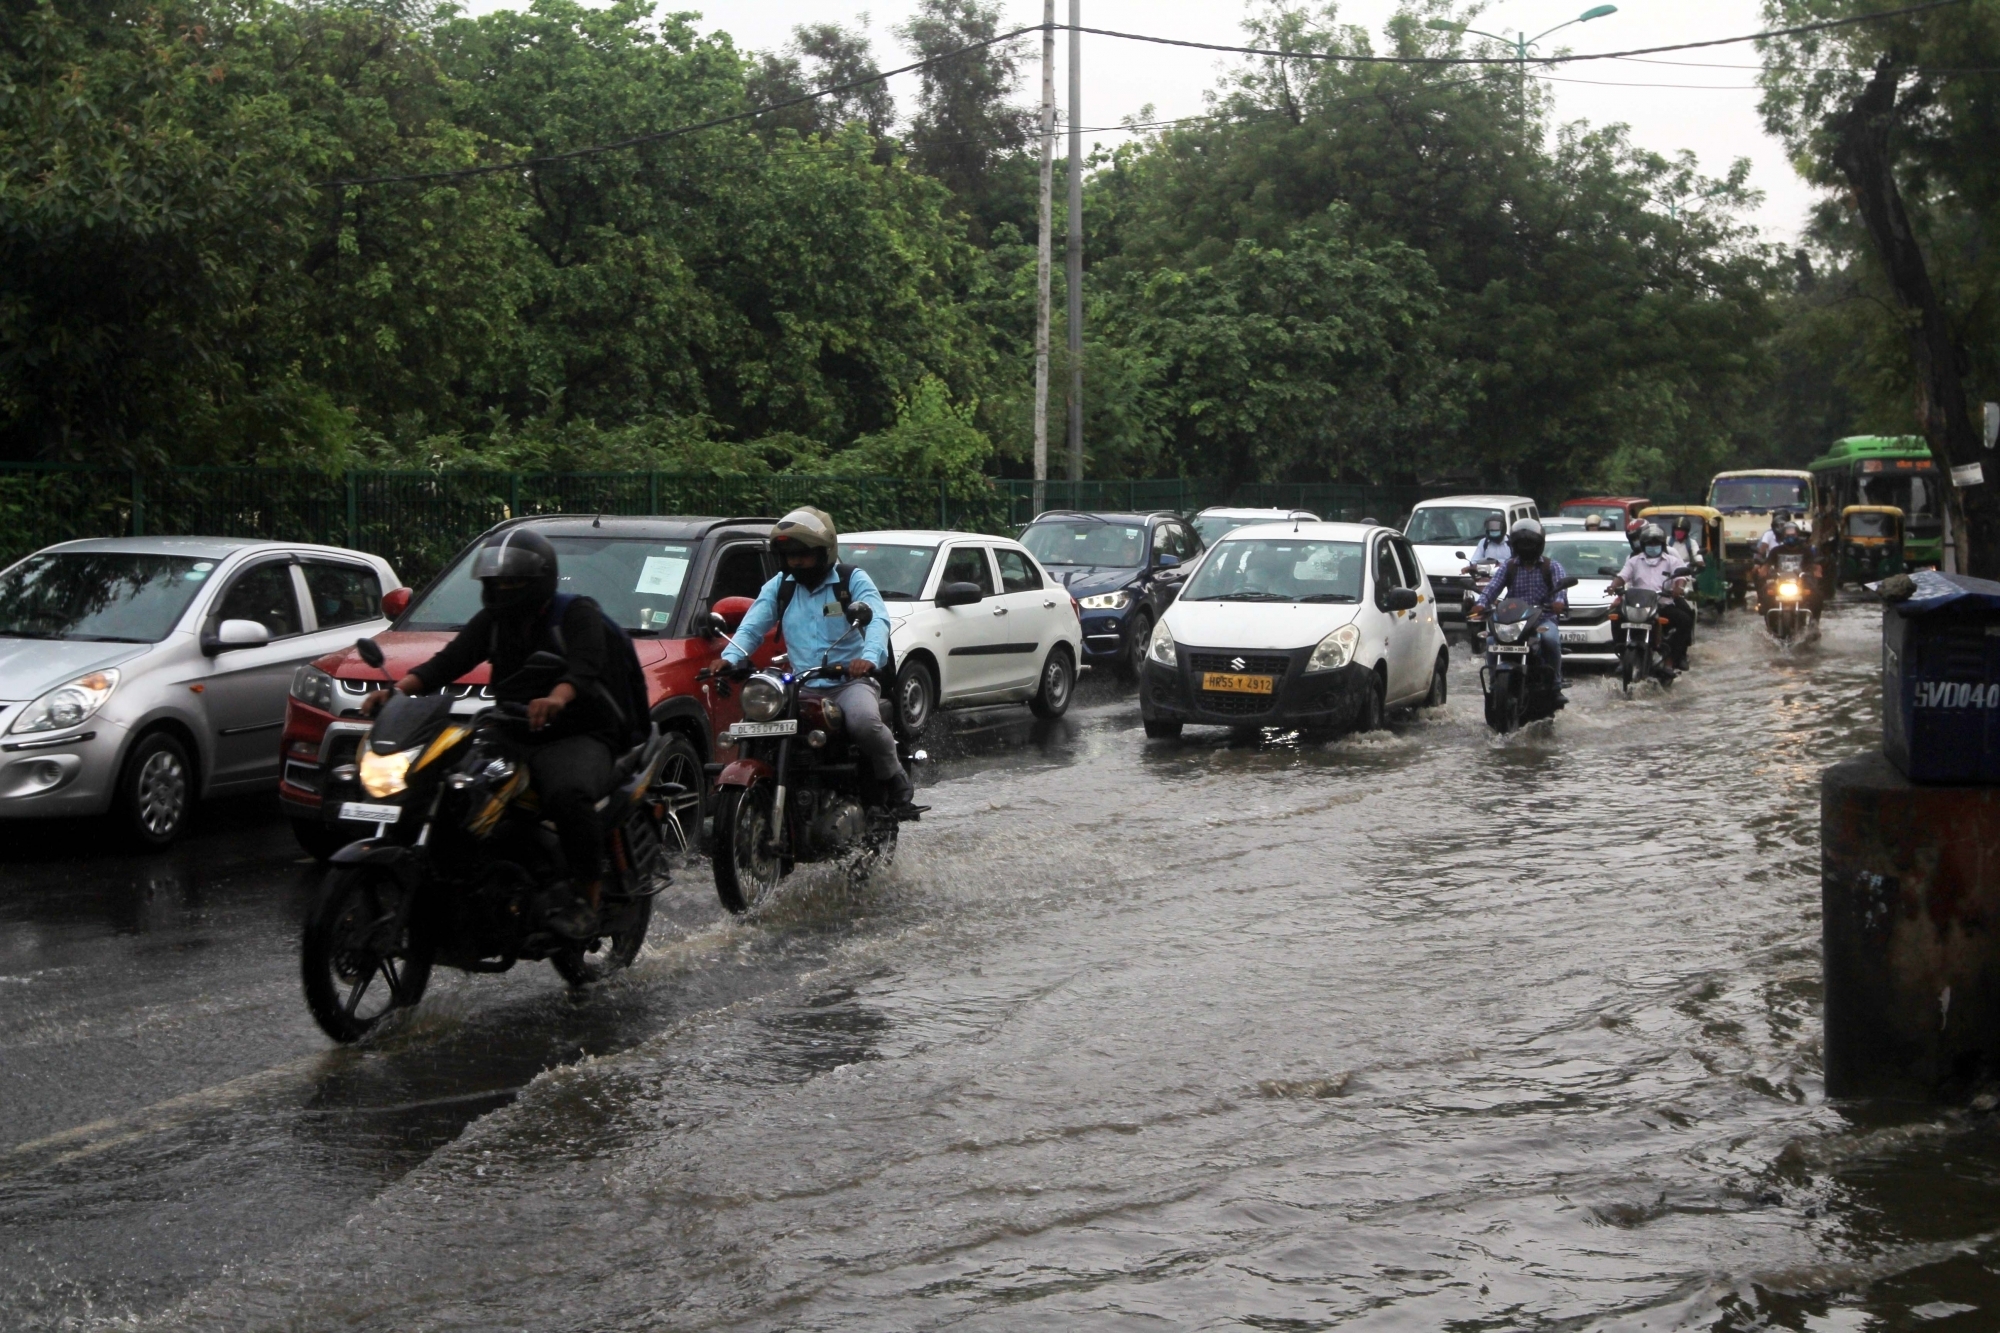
[{"x": 932, "y": 438}]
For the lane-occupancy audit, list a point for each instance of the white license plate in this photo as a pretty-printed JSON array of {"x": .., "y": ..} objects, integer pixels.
[
  {"x": 363, "y": 813},
  {"x": 1575, "y": 636},
  {"x": 750, "y": 730},
  {"x": 1511, "y": 649}
]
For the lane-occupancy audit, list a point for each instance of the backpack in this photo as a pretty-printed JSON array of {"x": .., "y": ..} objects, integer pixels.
[
  {"x": 624, "y": 679},
  {"x": 885, "y": 675}
]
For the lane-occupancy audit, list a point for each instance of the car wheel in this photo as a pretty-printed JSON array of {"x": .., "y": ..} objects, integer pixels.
[
  {"x": 1162, "y": 729},
  {"x": 1058, "y": 683},
  {"x": 1440, "y": 681},
  {"x": 1140, "y": 629},
  {"x": 916, "y": 698},
  {"x": 156, "y": 791},
  {"x": 1369, "y": 715},
  {"x": 320, "y": 841}
]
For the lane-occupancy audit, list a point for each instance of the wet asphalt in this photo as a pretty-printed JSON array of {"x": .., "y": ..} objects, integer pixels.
[{"x": 1417, "y": 1030}]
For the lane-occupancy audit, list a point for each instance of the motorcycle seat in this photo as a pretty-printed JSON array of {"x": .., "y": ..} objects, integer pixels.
[{"x": 639, "y": 756}]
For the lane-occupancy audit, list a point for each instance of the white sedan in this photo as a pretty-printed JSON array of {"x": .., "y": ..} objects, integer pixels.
[
  {"x": 973, "y": 620},
  {"x": 1308, "y": 624}
]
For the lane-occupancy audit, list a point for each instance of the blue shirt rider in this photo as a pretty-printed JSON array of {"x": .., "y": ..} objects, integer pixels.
[
  {"x": 1527, "y": 575},
  {"x": 818, "y": 634}
]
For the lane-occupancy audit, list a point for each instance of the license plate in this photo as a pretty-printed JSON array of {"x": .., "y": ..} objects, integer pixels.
[
  {"x": 363, "y": 813},
  {"x": 748, "y": 730},
  {"x": 1221, "y": 682},
  {"x": 1575, "y": 636},
  {"x": 1511, "y": 649}
]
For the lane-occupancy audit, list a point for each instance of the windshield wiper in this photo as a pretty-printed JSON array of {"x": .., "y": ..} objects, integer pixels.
[
  {"x": 897, "y": 595},
  {"x": 1331, "y": 597},
  {"x": 1244, "y": 597}
]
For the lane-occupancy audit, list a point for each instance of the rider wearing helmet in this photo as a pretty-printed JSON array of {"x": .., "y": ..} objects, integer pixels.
[
  {"x": 810, "y": 600},
  {"x": 1492, "y": 543},
  {"x": 1654, "y": 569},
  {"x": 574, "y": 729},
  {"x": 1779, "y": 518},
  {"x": 1632, "y": 533},
  {"x": 1593, "y": 522},
  {"x": 1530, "y": 575}
]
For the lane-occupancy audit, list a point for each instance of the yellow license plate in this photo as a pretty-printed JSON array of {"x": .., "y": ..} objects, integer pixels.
[{"x": 1221, "y": 682}]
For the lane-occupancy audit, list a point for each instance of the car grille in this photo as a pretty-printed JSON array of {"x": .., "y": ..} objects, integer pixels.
[
  {"x": 1234, "y": 705},
  {"x": 1252, "y": 666},
  {"x": 1595, "y": 615}
]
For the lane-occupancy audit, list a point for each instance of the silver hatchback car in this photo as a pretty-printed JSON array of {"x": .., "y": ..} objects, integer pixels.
[{"x": 140, "y": 674}]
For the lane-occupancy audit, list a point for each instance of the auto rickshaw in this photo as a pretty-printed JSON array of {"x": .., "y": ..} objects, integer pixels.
[
  {"x": 1871, "y": 544},
  {"x": 1704, "y": 525}
]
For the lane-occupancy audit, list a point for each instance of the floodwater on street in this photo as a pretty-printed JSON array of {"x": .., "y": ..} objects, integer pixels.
[{"x": 1419, "y": 1030}]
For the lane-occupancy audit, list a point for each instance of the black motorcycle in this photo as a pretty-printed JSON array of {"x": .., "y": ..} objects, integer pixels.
[
  {"x": 459, "y": 868},
  {"x": 1641, "y": 631},
  {"x": 1789, "y": 598},
  {"x": 1519, "y": 686},
  {"x": 797, "y": 792}
]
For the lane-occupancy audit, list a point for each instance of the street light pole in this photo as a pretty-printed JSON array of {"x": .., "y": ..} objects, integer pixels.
[
  {"x": 1522, "y": 44},
  {"x": 1044, "y": 250},
  {"x": 1075, "y": 269}
]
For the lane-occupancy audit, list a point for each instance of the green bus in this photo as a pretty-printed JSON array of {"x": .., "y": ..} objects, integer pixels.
[{"x": 1885, "y": 470}]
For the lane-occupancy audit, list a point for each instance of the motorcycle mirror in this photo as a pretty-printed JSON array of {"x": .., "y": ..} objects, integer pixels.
[
  {"x": 370, "y": 652},
  {"x": 860, "y": 615},
  {"x": 1608, "y": 571},
  {"x": 1569, "y": 582}
]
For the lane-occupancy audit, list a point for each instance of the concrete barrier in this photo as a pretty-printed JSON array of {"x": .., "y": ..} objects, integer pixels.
[{"x": 1910, "y": 889}]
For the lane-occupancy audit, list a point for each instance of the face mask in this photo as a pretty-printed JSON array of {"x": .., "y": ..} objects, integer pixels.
[{"x": 1654, "y": 548}]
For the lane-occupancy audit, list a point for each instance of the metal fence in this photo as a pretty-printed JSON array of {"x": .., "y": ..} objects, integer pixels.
[{"x": 417, "y": 520}]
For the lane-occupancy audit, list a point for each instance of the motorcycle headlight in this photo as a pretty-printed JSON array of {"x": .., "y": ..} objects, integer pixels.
[
  {"x": 1107, "y": 601},
  {"x": 763, "y": 698},
  {"x": 1511, "y": 631},
  {"x": 384, "y": 774},
  {"x": 67, "y": 705},
  {"x": 1163, "y": 649},
  {"x": 1335, "y": 650},
  {"x": 1788, "y": 590},
  {"x": 313, "y": 687}
]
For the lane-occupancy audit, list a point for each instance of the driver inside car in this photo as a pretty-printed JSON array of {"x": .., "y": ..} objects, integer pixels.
[{"x": 818, "y": 633}]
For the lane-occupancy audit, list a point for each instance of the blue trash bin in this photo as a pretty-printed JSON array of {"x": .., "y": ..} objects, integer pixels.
[{"x": 1941, "y": 680}]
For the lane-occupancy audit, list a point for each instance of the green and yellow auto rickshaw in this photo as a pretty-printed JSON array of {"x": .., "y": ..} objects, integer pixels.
[
  {"x": 1871, "y": 544},
  {"x": 1704, "y": 529}
]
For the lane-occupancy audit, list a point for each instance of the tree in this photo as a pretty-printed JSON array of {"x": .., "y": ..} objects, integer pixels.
[
  {"x": 823, "y": 55},
  {"x": 964, "y": 126}
]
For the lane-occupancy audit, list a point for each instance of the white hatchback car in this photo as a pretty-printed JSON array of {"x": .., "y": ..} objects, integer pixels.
[
  {"x": 1296, "y": 624},
  {"x": 974, "y": 620}
]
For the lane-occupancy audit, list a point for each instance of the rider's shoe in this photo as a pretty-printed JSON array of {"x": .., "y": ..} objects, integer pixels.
[
  {"x": 901, "y": 797},
  {"x": 570, "y": 915}
]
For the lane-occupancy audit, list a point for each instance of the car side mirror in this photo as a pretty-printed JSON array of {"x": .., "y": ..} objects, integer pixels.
[
  {"x": 1400, "y": 599},
  {"x": 395, "y": 602},
  {"x": 1607, "y": 571},
  {"x": 370, "y": 652},
  {"x": 726, "y": 615},
  {"x": 235, "y": 634},
  {"x": 959, "y": 594},
  {"x": 1166, "y": 560}
]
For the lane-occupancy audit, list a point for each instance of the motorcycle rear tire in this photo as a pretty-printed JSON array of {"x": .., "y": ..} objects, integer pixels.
[
  {"x": 334, "y": 952},
  {"x": 744, "y": 870}
]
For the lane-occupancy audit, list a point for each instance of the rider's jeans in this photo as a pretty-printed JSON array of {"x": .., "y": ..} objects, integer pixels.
[{"x": 861, "y": 703}]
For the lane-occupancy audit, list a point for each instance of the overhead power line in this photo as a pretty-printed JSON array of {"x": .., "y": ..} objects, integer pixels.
[{"x": 737, "y": 118}]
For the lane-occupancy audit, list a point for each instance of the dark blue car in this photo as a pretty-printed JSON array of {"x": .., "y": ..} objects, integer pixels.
[{"x": 1124, "y": 571}]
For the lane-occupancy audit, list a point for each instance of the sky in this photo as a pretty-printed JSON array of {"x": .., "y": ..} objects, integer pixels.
[{"x": 1704, "y": 101}]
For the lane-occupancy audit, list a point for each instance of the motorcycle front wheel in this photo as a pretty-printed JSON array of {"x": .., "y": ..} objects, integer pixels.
[
  {"x": 357, "y": 964},
  {"x": 746, "y": 868},
  {"x": 1628, "y": 668},
  {"x": 1503, "y": 708}
]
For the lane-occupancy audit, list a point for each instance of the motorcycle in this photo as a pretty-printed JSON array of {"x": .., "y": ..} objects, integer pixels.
[
  {"x": 461, "y": 858},
  {"x": 1787, "y": 598},
  {"x": 1641, "y": 631},
  {"x": 797, "y": 791},
  {"x": 1519, "y": 686}
]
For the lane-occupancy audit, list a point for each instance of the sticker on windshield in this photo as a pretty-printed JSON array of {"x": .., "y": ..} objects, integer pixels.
[{"x": 662, "y": 574}]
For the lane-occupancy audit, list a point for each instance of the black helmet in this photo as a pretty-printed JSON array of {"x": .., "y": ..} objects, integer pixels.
[
  {"x": 1649, "y": 534},
  {"x": 516, "y": 570},
  {"x": 1780, "y": 517},
  {"x": 1495, "y": 525},
  {"x": 1527, "y": 541}
]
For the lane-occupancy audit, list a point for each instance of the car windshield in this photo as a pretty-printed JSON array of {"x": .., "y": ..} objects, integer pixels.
[
  {"x": 1615, "y": 513},
  {"x": 1266, "y": 569},
  {"x": 1450, "y": 526},
  {"x": 1917, "y": 495},
  {"x": 899, "y": 571},
  {"x": 99, "y": 596},
  {"x": 637, "y": 582},
  {"x": 1761, "y": 494},
  {"x": 1584, "y": 558},
  {"x": 1065, "y": 543},
  {"x": 1213, "y": 527}
]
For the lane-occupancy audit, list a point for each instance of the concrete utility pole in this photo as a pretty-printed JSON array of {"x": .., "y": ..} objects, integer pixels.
[
  {"x": 1044, "y": 252},
  {"x": 1075, "y": 271}
]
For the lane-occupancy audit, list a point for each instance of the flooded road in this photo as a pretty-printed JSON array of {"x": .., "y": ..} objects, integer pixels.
[{"x": 1420, "y": 1030}]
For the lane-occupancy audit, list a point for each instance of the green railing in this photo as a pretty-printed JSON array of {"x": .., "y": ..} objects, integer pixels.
[{"x": 417, "y": 520}]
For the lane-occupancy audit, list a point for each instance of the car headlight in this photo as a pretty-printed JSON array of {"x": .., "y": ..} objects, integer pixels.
[
  {"x": 1162, "y": 648},
  {"x": 1335, "y": 650},
  {"x": 385, "y": 774},
  {"x": 1788, "y": 590},
  {"x": 1510, "y": 632},
  {"x": 313, "y": 687},
  {"x": 763, "y": 698},
  {"x": 67, "y": 705},
  {"x": 1107, "y": 601}
]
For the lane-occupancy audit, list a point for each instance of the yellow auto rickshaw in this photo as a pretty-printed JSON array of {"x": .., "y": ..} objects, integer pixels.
[
  {"x": 1704, "y": 528},
  {"x": 1871, "y": 544}
]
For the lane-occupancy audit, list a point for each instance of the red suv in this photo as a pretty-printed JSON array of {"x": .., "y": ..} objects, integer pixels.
[
  {"x": 1615, "y": 510},
  {"x": 658, "y": 577}
]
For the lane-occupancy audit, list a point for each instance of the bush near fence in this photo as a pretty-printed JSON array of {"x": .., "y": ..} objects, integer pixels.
[{"x": 417, "y": 520}]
